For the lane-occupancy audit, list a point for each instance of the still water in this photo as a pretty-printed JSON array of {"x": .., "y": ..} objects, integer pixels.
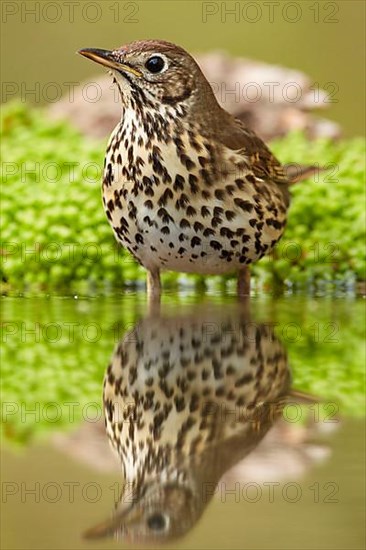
[{"x": 227, "y": 425}]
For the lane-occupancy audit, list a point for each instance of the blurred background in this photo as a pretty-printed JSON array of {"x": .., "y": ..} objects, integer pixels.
[{"x": 323, "y": 39}]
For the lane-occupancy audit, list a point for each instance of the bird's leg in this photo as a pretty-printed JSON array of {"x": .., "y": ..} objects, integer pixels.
[
  {"x": 244, "y": 282},
  {"x": 153, "y": 285}
]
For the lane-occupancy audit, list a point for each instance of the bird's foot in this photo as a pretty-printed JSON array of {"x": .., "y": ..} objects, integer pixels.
[
  {"x": 243, "y": 284},
  {"x": 153, "y": 286}
]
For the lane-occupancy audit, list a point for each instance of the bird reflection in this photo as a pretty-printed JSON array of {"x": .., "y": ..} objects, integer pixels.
[{"x": 185, "y": 399}]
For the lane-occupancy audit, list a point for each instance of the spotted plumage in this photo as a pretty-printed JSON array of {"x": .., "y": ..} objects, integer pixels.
[
  {"x": 185, "y": 399},
  {"x": 186, "y": 186}
]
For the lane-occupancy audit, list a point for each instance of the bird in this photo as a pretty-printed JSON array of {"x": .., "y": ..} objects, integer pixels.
[
  {"x": 185, "y": 398},
  {"x": 186, "y": 186}
]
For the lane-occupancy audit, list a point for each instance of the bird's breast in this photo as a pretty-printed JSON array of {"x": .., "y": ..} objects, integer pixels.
[{"x": 183, "y": 203}]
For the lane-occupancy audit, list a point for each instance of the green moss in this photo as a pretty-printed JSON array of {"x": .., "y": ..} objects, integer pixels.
[
  {"x": 324, "y": 238},
  {"x": 54, "y": 231},
  {"x": 55, "y": 234}
]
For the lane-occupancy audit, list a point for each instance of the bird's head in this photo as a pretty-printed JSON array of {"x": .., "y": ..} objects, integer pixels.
[
  {"x": 158, "y": 514},
  {"x": 157, "y": 74}
]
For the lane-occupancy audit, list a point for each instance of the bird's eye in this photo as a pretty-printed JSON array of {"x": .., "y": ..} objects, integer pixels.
[
  {"x": 155, "y": 64},
  {"x": 157, "y": 522}
]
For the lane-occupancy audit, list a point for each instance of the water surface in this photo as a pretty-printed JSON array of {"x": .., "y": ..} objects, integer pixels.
[{"x": 279, "y": 477}]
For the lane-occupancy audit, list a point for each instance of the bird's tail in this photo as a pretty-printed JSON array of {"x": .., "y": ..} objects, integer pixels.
[
  {"x": 297, "y": 172},
  {"x": 303, "y": 398}
]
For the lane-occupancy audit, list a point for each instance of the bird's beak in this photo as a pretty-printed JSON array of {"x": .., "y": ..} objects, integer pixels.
[
  {"x": 116, "y": 526},
  {"x": 109, "y": 59}
]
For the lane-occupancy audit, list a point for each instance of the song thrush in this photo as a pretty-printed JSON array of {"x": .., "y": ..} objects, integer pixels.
[
  {"x": 187, "y": 187},
  {"x": 185, "y": 399}
]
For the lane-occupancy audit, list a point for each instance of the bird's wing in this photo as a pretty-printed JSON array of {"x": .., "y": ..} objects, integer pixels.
[{"x": 262, "y": 162}]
